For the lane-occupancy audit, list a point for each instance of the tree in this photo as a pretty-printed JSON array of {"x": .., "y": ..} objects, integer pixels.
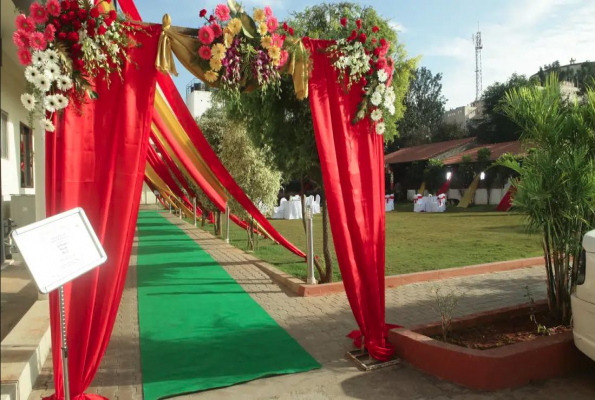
[
  {"x": 448, "y": 131},
  {"x": 556, "y": 188},
  {"x": 283, "y": 124},
  {"x": 434, "y": 175},
  {"x": 424, "y": 104},
  {"x": 582, "y": 77},
  {"x": 249, "y": 165},
  {"x": 495, "y": 127}
]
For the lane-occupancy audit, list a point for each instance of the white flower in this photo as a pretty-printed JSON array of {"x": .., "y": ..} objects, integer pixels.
[
  {"x": 390, "y": 92},
  {"x": 391, "y": 108},
  {"x": 28, "y": 101},
  {"x": 382, "y": 76},
  {"x": 52, "y": 71},
  {"x": 61, "y": 101},
  {"x": 64, "y": 82},
  {"x": 39, "y": 58},
  {"x": 380, "y": 128},
  {"x": 380, "y": 88},
  {"x": 50, "y": 103},
  {"x": 42, "y": 83},
  {"x": 46, "y": 125},
  {"x": 376, "y": 115},
  {"x": 51, "y": 56},
  {"x": 376, "y": 98},
  {"x": 31, "y": 73}
]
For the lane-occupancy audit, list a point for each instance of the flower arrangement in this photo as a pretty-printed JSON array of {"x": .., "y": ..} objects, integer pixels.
[
  {"x": 64, "y": 44},
  {"x": 363, "y": 58},
  {"x": 239, "y": 52}
]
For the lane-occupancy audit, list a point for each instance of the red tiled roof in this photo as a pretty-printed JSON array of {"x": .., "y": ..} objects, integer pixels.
[
  {"x": 497, "y": 149},
  {"x": 424, "y": 151}
]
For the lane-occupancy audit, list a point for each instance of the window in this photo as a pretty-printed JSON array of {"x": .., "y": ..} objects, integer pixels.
[
  {"x": 4, "y": 142},
  {"x": 26, "y": 157}
]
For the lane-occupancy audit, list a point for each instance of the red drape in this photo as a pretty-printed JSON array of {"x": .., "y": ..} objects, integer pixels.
[
  {"x": 352, "y": 162},
  {"x": 446, "y": 185},
  {"x": 161, "y": 169},
  {"x": 506, "y": 202},
  {"x": 154, "y": 189},
  {"x": 96, "y": 160}
]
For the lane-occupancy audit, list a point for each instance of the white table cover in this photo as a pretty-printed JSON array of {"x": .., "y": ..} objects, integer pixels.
[{"x": 293, "y": 209}]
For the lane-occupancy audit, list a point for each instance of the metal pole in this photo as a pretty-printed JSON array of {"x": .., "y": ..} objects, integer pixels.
[
  {"x": 227, "y": 226},
  {"x": 169, "y": 202},
  {"x": 194, "y": 204},
  {"x": 311, "y": 280},
  {"x": 64, "y": 345},
  {"x": 181, "y": 205}
]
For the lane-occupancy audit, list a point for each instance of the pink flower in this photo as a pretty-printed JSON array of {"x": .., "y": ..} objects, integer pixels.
[
  {"x": 38, "y": 42},
  {"x": 284, "y": 57},
  {"x": 277, "y": 40},
  {"x": 24, "y": 23},
  {"x": 268, "y": 11},
  {"x": 216, "y": 29},
  {"x": 38, "y": 14},
  {"x": 205, "y": 52},
  {"x": 206, "y": 35},
  {"x": 272, "y": 24},
  {"x": 53, "y": 7},
  {"x": 21, "y": 38},
  {"x": 50, "y": 33},
  {"x": 222, "y": 12},
  {"x": 24, "y": 56}
]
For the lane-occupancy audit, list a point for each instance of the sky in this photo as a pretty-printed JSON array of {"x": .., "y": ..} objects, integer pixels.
[{"x": 518, "y": 35}]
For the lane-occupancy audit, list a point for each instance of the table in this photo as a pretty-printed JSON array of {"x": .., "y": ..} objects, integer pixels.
[{"x": 292, "y": 209}]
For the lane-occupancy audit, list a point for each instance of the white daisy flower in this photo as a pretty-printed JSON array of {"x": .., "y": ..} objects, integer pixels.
[
  {"x": 39, "y": 58},
  {"x": 51, "y": 56},
  {"x": 382, "y": 76},
  {"x": 391, "y": 108},
  {"x": 61, "y": 101},
  {"x": 380, "y": 88},
  {"x": 46, "y": 125},
  {"x": 64, "y": 82},
  {"x": 52, "y": 71},
  {"x": 50, "y": 103},
  {"x": 42, "y": 83},
  {"x": 376, "y": 99},
  {"x": 31, "y": 73},
  {"x": 380, "y": 128},
  {"x": 390, "y": 92},
  {"x": 28, "y": 101},
  {"x": 376, "y": 115}
]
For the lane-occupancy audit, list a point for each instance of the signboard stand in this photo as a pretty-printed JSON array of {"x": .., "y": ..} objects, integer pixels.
[{"x": 56, "y": 251}]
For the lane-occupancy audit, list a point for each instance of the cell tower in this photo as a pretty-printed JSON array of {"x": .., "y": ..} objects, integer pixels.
[{"x": 478, "y": 46}]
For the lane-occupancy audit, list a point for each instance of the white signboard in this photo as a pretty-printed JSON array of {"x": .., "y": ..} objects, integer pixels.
[{"x": 59, "y": 249}]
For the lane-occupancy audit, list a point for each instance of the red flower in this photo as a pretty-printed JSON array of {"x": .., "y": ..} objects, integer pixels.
[
  {"x": 370, "y": 71},
  {"x": 101, "y": 30},
  {"x": 76, "y": 25},
  {"x": 38, "y": 42},
  {"x": 57, "y": 24},
  {"x": 83, "y": 15},
  {"x": 377, "y": 51},
  {"x": 352, "y": 36},
  {"x": 212, "y": 19},
  {"x": 204, "y": 52},
  {"x": 65, "y": 5},
  {"x": 108, "y": 21},
  {"x": 359, "y": 24},
  {"x": 64, "y": 18},
  {"x": 91, "y": 23},
  {"x": 76, "y": 47},
  {"x": 53, "y": 7},
  {"x": 38, "y": 13},
  {"x": 78, "y": 64},
  {"x": 363, "y": 38},
  {"x": 374, "y": 40},
  {"x": 50, "y": 33},
  {"x": 113, "y": 15},
  {"x": 284, "y": 57},
  {"x": 203, "y": 12},
  {"x": 24, "y": 56},
  {"x": 71, "y": 15},
  {"x": 344, "y": 22},
  {"x": 375, "y": 29},
  {"x": 206, "y": 35},
  {"x": 285, "y": 26},
  {"x": 283, "y": 37},
  {"x": 216, "y": 29},
  {"x": 24, "y": 23},
  {"x": 90, "y": 31},
  {"x": 21, "y": 38},
  {"x": 291, "y": 31},
  {"x": 383, "y": 42},
  {"x": 74, "y": 5},
  {"x": 73, "y": 36},
  {"x": 272, "y": 24},
  {"x": 62, "y": 35},
  {"x": 222, "y": 12},
  {"x": 364, "y": 81},
  {"x": 94, "y": 12},
  {"x": 381, "y": 63}
]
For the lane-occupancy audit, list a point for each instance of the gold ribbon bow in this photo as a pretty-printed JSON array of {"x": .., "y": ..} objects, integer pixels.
[{"x": 165, "y": 58}]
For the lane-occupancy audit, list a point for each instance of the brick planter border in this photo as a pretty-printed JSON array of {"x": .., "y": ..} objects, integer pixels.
[
  {"x": 494, "y": 369},
  {"x": 301, "y": 288}
]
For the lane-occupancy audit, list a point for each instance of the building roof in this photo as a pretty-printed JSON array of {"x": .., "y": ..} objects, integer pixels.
[
  {"x": 424, "y": 151},
  {"x": 497, "y": 149}
]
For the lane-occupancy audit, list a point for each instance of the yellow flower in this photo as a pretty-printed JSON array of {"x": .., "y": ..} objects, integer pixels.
[
  {"x": 275, "y": 52},
  {"x": 215, "y": 64},
  {"x": 266, "y": 42},
  {"x": 259, "y": 15},
  {"x": 235, "y": 26},
  {"x": 218, "y": 51},
  {"x": 227, "y": 39},
  {"x": 211, "y": 76},
  {"x": 263, "y": 29}
]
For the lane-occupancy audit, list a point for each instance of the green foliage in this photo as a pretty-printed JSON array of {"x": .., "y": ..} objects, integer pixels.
[
  {"x": 556, "y": 187},
  {"x": 448, "y": 131},
  {"x": 434, "y": 175},
  {"x": 483, "y": 154},
  {"x": 582, "y": 77},
  {"x": 250, "y": 166}
]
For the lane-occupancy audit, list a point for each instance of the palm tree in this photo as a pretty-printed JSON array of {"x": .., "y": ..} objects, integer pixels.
[{"x": 555, "y": 190}]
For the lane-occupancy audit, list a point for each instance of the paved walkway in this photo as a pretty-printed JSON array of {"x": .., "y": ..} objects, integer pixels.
[{"x": 320, "y": 324}]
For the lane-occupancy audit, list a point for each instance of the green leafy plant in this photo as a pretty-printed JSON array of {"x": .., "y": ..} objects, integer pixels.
[{"x": 434, "y": 174}]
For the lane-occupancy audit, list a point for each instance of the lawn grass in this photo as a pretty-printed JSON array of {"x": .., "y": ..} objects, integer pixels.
[{"x": 415, "y": 242}]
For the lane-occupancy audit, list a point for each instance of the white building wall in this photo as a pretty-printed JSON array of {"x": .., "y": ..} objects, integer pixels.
[
  {"x": 147, "y": 196},
  {"x": 199, "y": 102}
]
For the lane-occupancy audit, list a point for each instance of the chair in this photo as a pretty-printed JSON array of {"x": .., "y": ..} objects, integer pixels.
[
  {"x": 316, "y": 205},
  {"x": 419, "y": 204},
  {"x": 278, "y": 211}
]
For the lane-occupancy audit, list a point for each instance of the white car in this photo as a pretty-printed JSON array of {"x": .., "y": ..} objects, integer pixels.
[{"x": 583, "y": 300}]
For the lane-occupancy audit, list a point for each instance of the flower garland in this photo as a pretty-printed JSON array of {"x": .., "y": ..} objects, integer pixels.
[
  {"x": 63, "y": 46},
  {"x": 363, "y": 58},
  {"x": 239, "y": 52}
]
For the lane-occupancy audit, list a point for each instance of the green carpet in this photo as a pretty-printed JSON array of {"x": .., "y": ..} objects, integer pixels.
[{"x": 199, "y": 329}]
